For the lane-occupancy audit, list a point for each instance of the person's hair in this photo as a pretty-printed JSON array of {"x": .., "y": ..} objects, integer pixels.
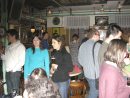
[
  {"x": 44, "y": 33},
  {"x": 91, "y": 32},
  {"x": 38, "y": 73},
  {"x": 59, "y": 38},
  {"x": 54, "y": 34},
  {"x": 115, "y": 52},
  {"x": 113, "y": 29},
  {"x": 37, "y": 34},
  {"x": 41, "y": 88},
  {"x": 75, "y": 35},
  {"x": 86, "y": 32},
  {"x": 13, "y": 32}
]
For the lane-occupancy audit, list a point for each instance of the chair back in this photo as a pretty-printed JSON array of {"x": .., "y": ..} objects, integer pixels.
[{"x": 77, "y": 89}]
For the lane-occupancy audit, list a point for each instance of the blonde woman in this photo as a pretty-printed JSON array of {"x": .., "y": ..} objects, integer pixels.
[{"x": 111, "y": 81}]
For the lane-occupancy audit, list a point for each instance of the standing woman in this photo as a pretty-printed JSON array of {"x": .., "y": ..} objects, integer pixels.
[
  {"x": 111, "y": 81},
  {"x": 36, "y": 57},
  {"x": 64, "y": 65}
]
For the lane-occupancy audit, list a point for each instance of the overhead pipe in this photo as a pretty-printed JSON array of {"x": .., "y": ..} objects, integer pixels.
[{"x": 39, "y": 20}]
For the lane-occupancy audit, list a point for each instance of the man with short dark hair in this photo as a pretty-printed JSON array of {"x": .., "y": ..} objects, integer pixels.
[
  {"x": 13, "y": 59},
  {"x": 114, "y": 32}
]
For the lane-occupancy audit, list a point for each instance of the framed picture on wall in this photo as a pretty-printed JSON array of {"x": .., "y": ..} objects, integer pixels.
[
  {"x": 56, "y": 30},
  {"x": 101, "y": 20}
]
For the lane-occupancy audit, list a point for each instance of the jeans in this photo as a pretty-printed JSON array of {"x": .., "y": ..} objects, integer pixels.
[
  {"x": 93, "y": 92},
  {"x": 13, "y": 80},
  {"x": 63, "y": 88}
]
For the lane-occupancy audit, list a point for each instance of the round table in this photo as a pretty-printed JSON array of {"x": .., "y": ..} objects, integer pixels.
[{"x": 72, "y": 74}]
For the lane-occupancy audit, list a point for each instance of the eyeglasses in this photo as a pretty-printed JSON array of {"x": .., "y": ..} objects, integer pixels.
[{"x": 97, "y": 34}]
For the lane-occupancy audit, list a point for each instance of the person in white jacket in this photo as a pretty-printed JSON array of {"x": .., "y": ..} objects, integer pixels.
[{"x": 13, "y": 58}]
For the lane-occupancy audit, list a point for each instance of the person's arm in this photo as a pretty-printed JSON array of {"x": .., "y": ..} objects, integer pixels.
[
  {"x": 82, "y": 55},
  {"x": 111, "y": 85},
  {"x": 101, "y": 52},
  {"x": 26, "y": 65},
  {"x": 67, "y": 49},
  {"x": 67, "y": 64},
  {"x": 2, "y": 54},
  {"x": 47, "y": 62}
]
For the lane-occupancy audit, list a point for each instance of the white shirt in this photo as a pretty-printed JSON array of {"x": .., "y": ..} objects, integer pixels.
[
  {"x": 111, "y": 63},
  {"x": 14, "y": 57}
]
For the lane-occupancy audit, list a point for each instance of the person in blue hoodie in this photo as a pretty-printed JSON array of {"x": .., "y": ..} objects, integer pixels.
[
  {"x": 36, "y": 57},
  {"x": 45, "y": 43}
]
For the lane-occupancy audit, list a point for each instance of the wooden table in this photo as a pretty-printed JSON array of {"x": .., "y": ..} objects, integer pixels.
[{"x": 74, "y": 75}]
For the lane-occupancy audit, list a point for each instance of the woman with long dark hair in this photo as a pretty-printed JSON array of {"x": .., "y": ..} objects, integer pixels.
[
  {"x": 36, "y": 57},
  {"x": 63, "y": 65}
]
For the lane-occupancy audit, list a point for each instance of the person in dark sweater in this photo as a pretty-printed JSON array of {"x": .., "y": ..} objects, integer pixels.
[
  {"x": 45, "y": 43},
  {"x": 63, "y": 65}
]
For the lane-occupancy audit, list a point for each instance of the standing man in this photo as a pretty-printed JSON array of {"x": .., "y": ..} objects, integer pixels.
[
  {"x": 90, "y": 61},
  {"x": 13, "y": 59},
  {"x": 114, "y": 32}
]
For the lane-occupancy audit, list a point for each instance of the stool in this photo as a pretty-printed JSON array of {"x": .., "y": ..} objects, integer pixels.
[{"x": 77, "y": 89}]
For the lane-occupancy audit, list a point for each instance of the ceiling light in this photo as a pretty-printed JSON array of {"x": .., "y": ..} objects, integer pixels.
[
  {"x": 49, "y": 11},
  {"x": 33, "y": 29},
  {"x": 42, "y": 30}
]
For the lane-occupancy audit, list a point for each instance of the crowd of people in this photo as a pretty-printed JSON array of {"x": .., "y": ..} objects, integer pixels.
[{"x": 101, "y": 62}]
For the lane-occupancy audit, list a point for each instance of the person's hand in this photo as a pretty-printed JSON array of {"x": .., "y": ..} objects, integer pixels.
[
  {"x": 127, "y": 61},
  {"x": 1, "y": 51},
  {"x": 51, "y": 49},
  {"x": 54, "y": 66},
  {"x": 52, "y": 71}
]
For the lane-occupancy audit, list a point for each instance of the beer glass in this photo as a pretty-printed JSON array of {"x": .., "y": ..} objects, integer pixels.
[{"x": 53, "y": 60}]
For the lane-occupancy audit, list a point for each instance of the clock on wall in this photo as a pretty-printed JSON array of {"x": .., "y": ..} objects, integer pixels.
[{"x": 56, "y": 20}]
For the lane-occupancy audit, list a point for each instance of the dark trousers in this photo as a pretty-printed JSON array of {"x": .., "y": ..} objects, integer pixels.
[
  {"x": 1, "y": 73},
  {"x": 13, "y": 81}
]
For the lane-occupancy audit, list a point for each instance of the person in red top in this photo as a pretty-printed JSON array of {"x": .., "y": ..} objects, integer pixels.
[{"x": 111, "y": 80}]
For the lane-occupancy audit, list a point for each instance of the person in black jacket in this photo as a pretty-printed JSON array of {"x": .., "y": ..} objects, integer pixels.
[{"x": 63, "y": 65}]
